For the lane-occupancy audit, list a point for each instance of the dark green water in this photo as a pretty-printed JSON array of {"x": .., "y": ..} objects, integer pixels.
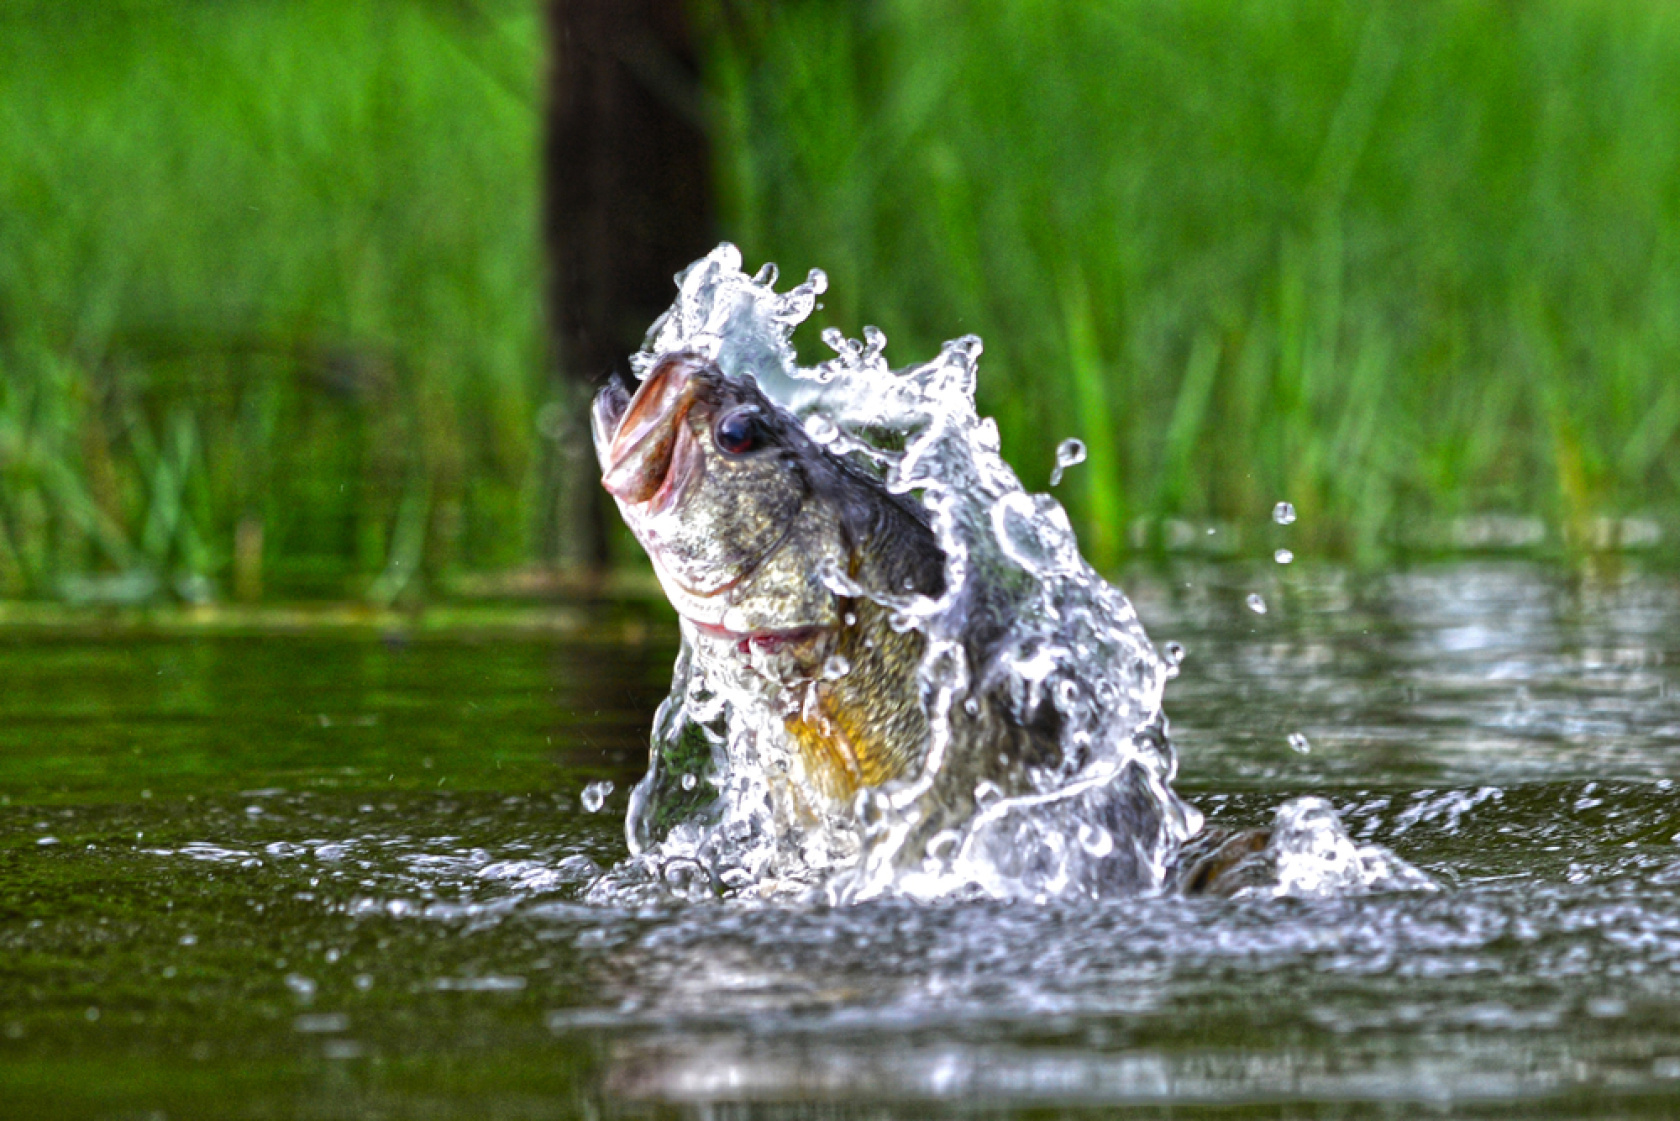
[{"x": 336, "y": 875}]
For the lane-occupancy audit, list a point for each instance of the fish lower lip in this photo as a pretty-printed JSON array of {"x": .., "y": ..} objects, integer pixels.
[{"x": 762, "y": 639}]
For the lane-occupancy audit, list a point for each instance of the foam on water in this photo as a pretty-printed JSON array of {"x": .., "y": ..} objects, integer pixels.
[{"x": 1025, "y": 627}]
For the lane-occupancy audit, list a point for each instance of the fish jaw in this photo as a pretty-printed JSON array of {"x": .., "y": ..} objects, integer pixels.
[
  {"x": 641, "y": 443},
  {"x": 605, "y": 412}
]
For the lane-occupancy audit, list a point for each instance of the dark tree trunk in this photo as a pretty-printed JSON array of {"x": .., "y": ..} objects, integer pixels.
[{"x": 627, "y": 203}]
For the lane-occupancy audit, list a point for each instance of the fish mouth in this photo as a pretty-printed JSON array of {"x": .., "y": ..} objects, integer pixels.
[
  {"x": 768, "y": 639},
  {"x": 649, "y": 454}
]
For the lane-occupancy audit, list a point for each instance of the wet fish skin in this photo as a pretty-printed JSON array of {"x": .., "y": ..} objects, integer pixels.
[{"x": 742, "y": 513}]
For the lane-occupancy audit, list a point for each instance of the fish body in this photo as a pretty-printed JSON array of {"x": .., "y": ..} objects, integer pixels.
[
  {"x": 754, "y": 529},
  {"x": 783, "y": 561}
]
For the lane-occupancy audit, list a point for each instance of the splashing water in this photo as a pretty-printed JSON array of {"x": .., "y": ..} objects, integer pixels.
[
  {"x": 1025, "y": 634},
  {"x": 1069, "y": 453},
  {"x": 595, "y": 795}
]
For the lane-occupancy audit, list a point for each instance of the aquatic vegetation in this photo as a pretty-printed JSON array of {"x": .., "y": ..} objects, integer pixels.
[
  {"x": 269, "y": 297},
  {"x": 1404, "y": 263},
  {"x": 909, "y": 679},
  {"x": 1411, "y": 265}
]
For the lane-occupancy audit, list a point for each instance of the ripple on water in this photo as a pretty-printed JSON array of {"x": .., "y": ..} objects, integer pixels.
[{"x": 1543, "y": 979}]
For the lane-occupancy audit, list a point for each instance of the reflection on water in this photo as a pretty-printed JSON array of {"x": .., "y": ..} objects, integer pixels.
[
  {"x": 1492, "y": 672},
  {"x": 301, "y": 919}
]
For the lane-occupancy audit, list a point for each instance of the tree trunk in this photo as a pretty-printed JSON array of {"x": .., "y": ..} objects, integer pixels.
[{"x": 627, "y": 203}]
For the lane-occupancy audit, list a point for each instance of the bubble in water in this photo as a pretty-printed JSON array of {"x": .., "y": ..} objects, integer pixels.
[
  {"x": 690, "y": 781},
  {"x": 1283, "y": 556},
  {"x": 943, "y": 846},
  {"x": 1256, "y": 604},
  {"x": 1284, "y": 513},
  {"x": 836, "y": 667},
  {"x": 595, "y": 795},
  {"x": 1298, "y": 743},
  {"x": 1095, "y": 840},
  {"x": 1069, "y": 453},
  {"x": 821, "y": 429}
]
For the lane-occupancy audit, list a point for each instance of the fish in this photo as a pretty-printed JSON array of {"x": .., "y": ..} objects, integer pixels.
[
  {"x": 748, "y": 522},
  {"x": 785, "y": 563}
]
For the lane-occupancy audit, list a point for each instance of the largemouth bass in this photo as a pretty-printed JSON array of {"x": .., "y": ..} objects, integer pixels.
[{"x": 746, "y": 519}]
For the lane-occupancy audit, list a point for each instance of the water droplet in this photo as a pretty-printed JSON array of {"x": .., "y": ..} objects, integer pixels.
[
  {"x": 1095, "y": 840},
  {"x": 972, "y": 706},
  {"x": 1069, "y": 453},
  {"x": 364, "y": 981},
  {"x": 92, "y": 1014},
  {"x": 1284, "y": 556},
  {"x": 1256, "y": 604},
  {"x": 1174, "y": 654},
  {"x": 595, "y": 795},
  {"x": 834, "y": 338},
  {"x": 690, "y": 781},
  {"x": 943, "y": 846},
  {"x": 850, "y": 618},
  {"x": 821, "y": 429},
  {"x": 836, "y": 667},
  {"x": 1298, "y": 743},
  {"x": 1284, "y": 513}
]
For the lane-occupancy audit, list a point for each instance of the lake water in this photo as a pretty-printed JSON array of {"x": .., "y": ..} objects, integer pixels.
[{"x": 335, "y": 872}]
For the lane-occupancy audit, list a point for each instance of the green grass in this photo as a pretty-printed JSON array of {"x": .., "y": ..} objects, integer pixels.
[
  {"x": 1396, "y": 262},
  {"x": 269, "y": 291},
  {"x": 270, "y": 272}
]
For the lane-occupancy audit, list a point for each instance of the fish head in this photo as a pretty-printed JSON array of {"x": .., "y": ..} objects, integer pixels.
[{"x": 713, "y": 479}]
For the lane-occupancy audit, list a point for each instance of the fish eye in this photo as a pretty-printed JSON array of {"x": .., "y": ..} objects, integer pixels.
[{"x": 739, "y": 432}]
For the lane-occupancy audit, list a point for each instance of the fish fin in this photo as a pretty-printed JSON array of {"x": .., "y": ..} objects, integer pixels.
[
  {"x": 828, "y": 759},
  {"x": 1213, "y": 863}
]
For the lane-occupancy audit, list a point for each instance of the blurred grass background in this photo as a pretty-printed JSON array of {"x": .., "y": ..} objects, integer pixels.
[
  {"x": 270, "y": 275},
  {"x": 269, "y": 283}
]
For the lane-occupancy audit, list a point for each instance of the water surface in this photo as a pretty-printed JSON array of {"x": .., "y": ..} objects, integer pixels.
[{"x": 334, "y": 874}]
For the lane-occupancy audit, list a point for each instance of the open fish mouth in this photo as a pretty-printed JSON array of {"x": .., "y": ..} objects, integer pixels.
[{"x": 646, "y": 449}]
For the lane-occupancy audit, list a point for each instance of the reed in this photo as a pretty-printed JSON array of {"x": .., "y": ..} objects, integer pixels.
[
  {"x": 1398, "y": 263},
  {"x": 269, "y": 273},
  {"x": 269, "y": 303}
]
